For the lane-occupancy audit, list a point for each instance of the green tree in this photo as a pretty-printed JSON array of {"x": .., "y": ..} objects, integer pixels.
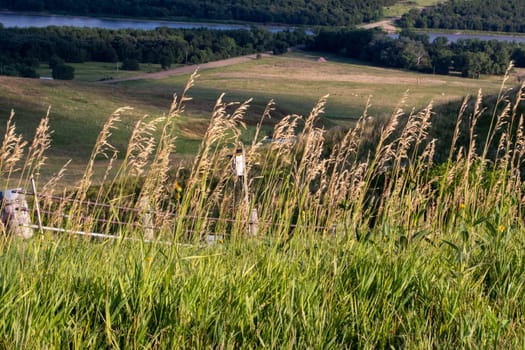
[
  {"x": 130, "y": 64},
  {"x": 63, "y": 72},
  {"x": 166, "y": 60},
  {"x": 55, "y": 61},
  {"x": 413, "y": 55}
]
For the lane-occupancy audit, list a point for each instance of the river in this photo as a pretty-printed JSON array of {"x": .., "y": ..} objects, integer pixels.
[
  {"x": 13, "y": 19},
  {"x": 458, "y": 36},
  {"x": 453, "y": 37}
]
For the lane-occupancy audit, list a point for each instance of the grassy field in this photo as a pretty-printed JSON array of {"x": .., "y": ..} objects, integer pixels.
[
  {"x": 297, "y": 80},
  {"x": 362, "y": 240},
  {"x": 294, "y": 81},
  {"x": 97, "y": 71},
  {"x": 320, "y": 293},
  {"x": 402, "y": 7}
]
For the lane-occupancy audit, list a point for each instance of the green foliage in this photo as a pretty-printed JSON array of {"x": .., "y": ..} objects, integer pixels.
[
  {"x": 498, "y": 15},
  {"x": 414, "y": 51},
  {"x": 81, "y": 294},
  {"x": 18, "y": 70},
  {"x": 54, "y": 61},
  {"x": 356, "y": 248},
  {"x": 164, "y": 46},
  {"x": 63, "y": 72},
  {"x": 317, "y": 12},
  {"x": 130, "y": 64}
]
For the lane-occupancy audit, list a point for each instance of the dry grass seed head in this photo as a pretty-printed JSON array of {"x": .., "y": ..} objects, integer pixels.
[
  {"x": 51, "y": 185},
  {"x": 519, "y": 148},
  {"x": 177, "y": 106},
  {"x": 427, "y": 156},
  {"x": 141, "y": 146},
  {"x": 385, "y": 152},
  {"x": 41, "y": 142},
  {"x": 457, "y": 127},
  {"x": 520, "y": 96},
  {"x": 156, "y": 182},
  {"x": 478, "y": 111},
  {"x": 224, "y": 127},
  {"x": 425, "y": 123},
  {"x": 502, "y": 154},
  {"x": 102, "y": 147},
  {"x": 318, "y": 109},
  {"x": 12, "y": 148},
  {"x": 407, "y": 138},
  {"x": 270, "y": 107},
  {"x": 311, "y": 160}
]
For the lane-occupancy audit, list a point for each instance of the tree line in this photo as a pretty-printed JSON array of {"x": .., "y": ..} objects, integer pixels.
[
  {"x": 23, "y": 49},
  {"x": 414, "y": 51},
  {"x": 494, "y": 15},
  {"x": 295, "y": 12}
]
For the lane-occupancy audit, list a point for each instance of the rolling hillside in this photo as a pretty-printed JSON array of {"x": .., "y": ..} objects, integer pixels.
[{"x": 295, "y": 81}]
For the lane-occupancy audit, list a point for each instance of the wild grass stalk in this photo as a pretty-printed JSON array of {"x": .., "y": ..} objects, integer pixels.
[
  {"x": 36, "y": 157},
  {"x": 11, "y": 150},
  {"x": 358, "y": 246}
]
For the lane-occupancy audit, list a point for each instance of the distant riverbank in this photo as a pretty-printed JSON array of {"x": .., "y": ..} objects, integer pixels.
[
  {"x": 26, "y": 20},
  {"x": 453, "y": 37}
]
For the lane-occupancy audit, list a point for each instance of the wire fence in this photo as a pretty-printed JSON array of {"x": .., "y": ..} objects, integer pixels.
[{"x": 121, "y": 217}]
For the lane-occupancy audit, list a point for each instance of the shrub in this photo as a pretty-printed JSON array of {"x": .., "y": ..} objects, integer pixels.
[
  {"x": 63, "y": 72},
  {"x": 55, "y": 61},
  {"x": 130, "y": 64}
]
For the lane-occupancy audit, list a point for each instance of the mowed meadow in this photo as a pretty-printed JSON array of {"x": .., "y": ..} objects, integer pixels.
[
  {"x": 371, "y": 232},
  {"x": 79, "y": 108}
]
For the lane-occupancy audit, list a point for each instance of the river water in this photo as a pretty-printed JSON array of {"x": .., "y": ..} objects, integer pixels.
[
  {"x": 12, "y": 19},
  {"x": 458, "y": 36}
]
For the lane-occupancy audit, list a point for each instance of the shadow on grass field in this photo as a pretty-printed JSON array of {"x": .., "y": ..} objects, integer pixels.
[
  {"x": 98, "y": 71},
  {"x": 294, "y": 81}
]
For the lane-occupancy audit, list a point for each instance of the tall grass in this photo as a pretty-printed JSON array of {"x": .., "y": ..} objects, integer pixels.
[{"x": 363, "y": 241}]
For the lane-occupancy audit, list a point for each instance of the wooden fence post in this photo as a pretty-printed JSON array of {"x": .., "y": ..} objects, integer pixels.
[
  {"x": 253, "y": 223},
  {"x": 37, "y": 205},
  {"x": 15, "y": 213},
  {"x": 241, "y": 172}
]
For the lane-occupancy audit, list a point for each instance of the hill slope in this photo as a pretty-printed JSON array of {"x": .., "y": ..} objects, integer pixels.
[{"x": 295, "y": 81}]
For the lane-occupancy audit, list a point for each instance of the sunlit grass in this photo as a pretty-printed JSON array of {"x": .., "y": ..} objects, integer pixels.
[
  {"x": 367, "y": 237},
  {"x": 324, "y": 293},
  {"x": 295, "y": 81},
  {"x": 402, "y": 7}
]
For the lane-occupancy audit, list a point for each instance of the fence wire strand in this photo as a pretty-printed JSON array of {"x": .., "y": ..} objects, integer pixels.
[{"x": 119, "y": 208}]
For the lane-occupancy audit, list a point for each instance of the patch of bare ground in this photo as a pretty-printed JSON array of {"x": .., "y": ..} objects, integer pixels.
[
  {"x": 336, "y": 77},
  {"x": 300, "y": 69},
  {"x": 387, "y": 25}
]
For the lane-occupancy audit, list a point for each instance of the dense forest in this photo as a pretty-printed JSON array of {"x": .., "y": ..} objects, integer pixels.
[
  {"x": 414, "y": 51},
  {"x": 296, "y": 12},
  {"x": 494, "y": 15},
  {"x": 22, "y": 50}
]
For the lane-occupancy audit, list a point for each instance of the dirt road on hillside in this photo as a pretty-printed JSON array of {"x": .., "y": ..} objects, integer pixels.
[
  {"x": 188, "y": 69},
  {"x": 387, "y": 25}
]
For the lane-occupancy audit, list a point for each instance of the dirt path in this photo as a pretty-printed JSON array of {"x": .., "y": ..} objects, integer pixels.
[
  {"x": 187, "y": 69},
  {"x": 387, "y": 25}
]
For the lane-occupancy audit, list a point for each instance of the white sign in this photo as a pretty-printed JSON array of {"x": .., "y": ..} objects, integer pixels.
[{"x": 239, "y": 164}]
